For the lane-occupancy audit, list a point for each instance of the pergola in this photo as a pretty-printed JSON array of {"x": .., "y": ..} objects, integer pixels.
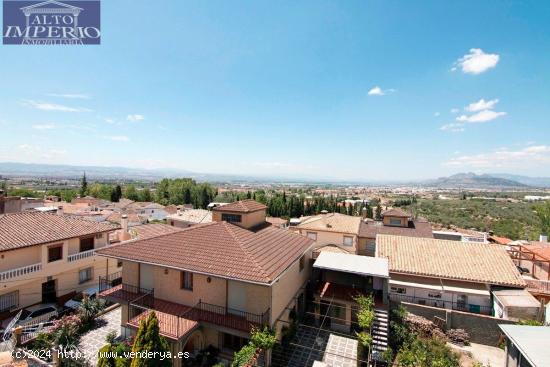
[{"x": 537, "y": 255}]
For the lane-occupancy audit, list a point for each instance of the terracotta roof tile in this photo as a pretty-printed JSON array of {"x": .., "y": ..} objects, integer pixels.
[
  {"x": 395, "y": 212},
  {"x": 473, "y": 262},
  {"x": 219, "y": 249},
  {"x": 243, "y": 206},
  {"x": 34, "y": 228},
  {"x": 332, "y": 222}
]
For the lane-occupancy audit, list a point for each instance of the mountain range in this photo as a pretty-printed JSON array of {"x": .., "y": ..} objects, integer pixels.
[{"x": 61, "y": 171}]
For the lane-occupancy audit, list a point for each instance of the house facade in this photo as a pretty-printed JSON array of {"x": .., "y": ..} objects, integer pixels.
[
  {"x": 48, "y": 257},
  {"x": 447, "y": 274},
  {"x": 209, "y": 284}
]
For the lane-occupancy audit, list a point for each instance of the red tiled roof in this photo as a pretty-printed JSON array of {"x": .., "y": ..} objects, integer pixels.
[
  {"x": 243, "y": 206},
  {"x": 153, "y": 230},
  {"x": 34, "y": 228},
  {"x": 416, "y": 228},
  {"x": 395, "y": 212},
  {"x": 219, "y": 249}
]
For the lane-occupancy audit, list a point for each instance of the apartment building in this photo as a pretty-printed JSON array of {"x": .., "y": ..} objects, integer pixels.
[
  {"x": 210, "y": 283},
  {"x": 46, "y": 257}
]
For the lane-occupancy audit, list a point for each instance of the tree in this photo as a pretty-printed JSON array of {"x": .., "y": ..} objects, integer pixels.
[
  {"x": 543, "y": 212},
  {"x": 148, "y": 339},
  {"x": 116, "y": 194},
  {"x": 83, "y": 186},
  {"x": 187, "y": 196},
  {"x": 378, "y": 215},
  {"x": 131, "y": 193}
]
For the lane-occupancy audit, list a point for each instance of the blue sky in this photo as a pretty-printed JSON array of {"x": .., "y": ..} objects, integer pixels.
[{"x": 351, "y": 89}]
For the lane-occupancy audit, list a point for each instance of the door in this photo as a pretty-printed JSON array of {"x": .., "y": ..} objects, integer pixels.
[
  {"x": 236, "y": 298},
  {"x": 49, "y": 294},
  {"x": 146, "y": 276}
]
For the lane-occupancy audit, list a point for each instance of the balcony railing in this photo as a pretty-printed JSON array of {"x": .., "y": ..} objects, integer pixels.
[
  {"x": 17, "y": 272},
  {"x": 538, "y": 286},
  {"x": 176, "y": 320},
  {"x": 440, "y": 303},
  {"x": 81, "y": 255}
]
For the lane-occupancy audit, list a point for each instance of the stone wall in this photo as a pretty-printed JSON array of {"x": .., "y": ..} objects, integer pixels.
[{"x": 482, "y": 329}]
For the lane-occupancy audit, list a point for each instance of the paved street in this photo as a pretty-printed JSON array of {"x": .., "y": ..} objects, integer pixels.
[{"x": 93, "y": 340}]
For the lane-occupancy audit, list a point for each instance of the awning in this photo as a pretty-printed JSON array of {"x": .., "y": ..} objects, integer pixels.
[
  {"x": 354, "y": 264},
  {"x": 474, "y": 288},
  {"x": 434, "y": 287}
]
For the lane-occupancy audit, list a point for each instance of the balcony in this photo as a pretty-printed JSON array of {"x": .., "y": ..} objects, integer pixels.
[
  {"x": 81, "y": 255},
  {"x": 434, "y": 302},
  {"x": 18, "y": 272},
  {"x": 539, "y": 287},
  {"x": 177, "y": 321}
]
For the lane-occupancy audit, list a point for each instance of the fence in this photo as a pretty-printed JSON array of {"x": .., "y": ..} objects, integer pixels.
[{"x": 440, "y": 303}]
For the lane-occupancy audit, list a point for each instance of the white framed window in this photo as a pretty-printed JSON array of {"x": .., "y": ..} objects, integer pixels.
[
  {"x": 186, "y": 280},
  {"x": 312, "y": 235},
  {"x": 348, "y": 241},
  {"x": 85, "y": 275}
]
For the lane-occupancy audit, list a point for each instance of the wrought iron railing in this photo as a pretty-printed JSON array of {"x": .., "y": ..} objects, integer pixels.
[
  {"x": 229, "y": 317},
  {"x": 440, "y": 303},
  {"x": 109, "y": 281}
]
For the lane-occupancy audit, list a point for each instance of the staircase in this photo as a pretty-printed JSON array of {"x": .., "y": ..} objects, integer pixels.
[{"x": 380, "y": 329}]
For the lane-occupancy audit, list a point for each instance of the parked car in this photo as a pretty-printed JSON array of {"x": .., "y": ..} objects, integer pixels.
[
  {"x": 34, "y": 315},
  {"x": 75, "y": 302}
]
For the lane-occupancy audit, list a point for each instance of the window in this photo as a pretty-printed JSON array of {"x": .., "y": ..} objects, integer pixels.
[
  {"x": 312, "y": 235},
  {"x": 434, "y": 295},
  {"x": 395, "y": 222},
  {"x": 9, "y": 301},
  {"x": 55, "y": 253},
  {"x": 233, "y": 342},
  {"x": 186, "y": 281},
  {"x": 302, "y": 262},
  {"x": 119, "y": 264},
  {"x": 86, "y": 244},
  {"x": 231, "y": 218},
  {"x": 348, "y": 241},
  {"x": 85, "y": 275},
  {"x": 398, "y": 290}
]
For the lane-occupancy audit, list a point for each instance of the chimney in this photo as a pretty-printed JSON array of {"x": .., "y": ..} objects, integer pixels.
[
  {"x": 60, "y": 210},
  {"x": 125, "y": 235},
  {"x": 178, "y": 211},
  {"x": 543, "y": 238}
]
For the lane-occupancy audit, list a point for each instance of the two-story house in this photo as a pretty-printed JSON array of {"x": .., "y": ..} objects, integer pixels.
[
  {"x": 46, "y": 256},
  {"x": 210, "y": 283}
]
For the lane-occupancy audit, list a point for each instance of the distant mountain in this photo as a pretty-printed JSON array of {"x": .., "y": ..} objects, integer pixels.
[
  {"x": 472, "y": 180},
  {"x": 526, "y": 180}
]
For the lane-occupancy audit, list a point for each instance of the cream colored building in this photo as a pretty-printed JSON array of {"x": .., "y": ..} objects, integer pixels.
[
  {"x": 210, "y": 283},
  {"x": 48, "y": 257}
]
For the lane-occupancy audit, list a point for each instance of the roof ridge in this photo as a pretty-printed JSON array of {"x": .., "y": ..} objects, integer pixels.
[{"x": 229, "y": 229}]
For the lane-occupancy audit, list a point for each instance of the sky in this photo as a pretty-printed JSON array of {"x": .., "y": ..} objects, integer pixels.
[{"x": 362, "y": 90}]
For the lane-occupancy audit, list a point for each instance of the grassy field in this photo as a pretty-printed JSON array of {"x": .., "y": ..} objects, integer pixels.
[{"x": 512, "y": 220}]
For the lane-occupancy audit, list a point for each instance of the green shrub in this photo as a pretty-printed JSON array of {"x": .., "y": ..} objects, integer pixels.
[
  {"x": 264, "y": 339},
  {"x": 243, "y": 356}
]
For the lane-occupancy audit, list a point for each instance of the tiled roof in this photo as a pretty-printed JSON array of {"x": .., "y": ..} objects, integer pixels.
[
  {"x": 276, "y": 221},
  {"x": 193, "y": 216},
  {"x": 416, "y": 228},
  {"x": 332, "y": 222},
  {"x": 219, "y": 249},
  {"x": 395, "y": 212},
  {"x": 474, "y": 262},
  {"x": 152, "y": 230},
  {"x": 34, "y": 228},
  {"x": 243, "y": 206}
]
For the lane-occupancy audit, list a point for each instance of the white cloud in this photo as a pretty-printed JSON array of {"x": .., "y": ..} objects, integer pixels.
[
  {"x": 135, "y": 118},
  {"x": 43, "y": 126},
  {"x": 481, "y": 105},
  {"x": 504, "y": 158},
  {"x": 437, "y": 114},
  {"x": 481, "y": 116},
  {"x": 69, "y": 95},
  {"x": 476, "y": 62},
  {"x": 455, "y": 110},
  {"x": 45, "y": 106},
  {"x": 376, "y": 91},
  {"x": 453, "y": 127},
  {"x": 110, "y": 120},
  {"x": 118, "y": 138}
]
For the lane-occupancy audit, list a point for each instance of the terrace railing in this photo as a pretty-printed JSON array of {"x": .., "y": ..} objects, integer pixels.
[
  {"x": 440, "y": 303},
  {"x": 538, "y": 286},
  {"x": 109, "y": 281},
  {"x": 228, "y": 317},
  {"x": 81, "y": 255},
  {"x": 18, "y": 272}
]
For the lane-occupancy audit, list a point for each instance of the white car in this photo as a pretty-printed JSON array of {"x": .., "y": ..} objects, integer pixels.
[
  {"x": 75, "y": 302},
  {"x": 34, "y": 315}
]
